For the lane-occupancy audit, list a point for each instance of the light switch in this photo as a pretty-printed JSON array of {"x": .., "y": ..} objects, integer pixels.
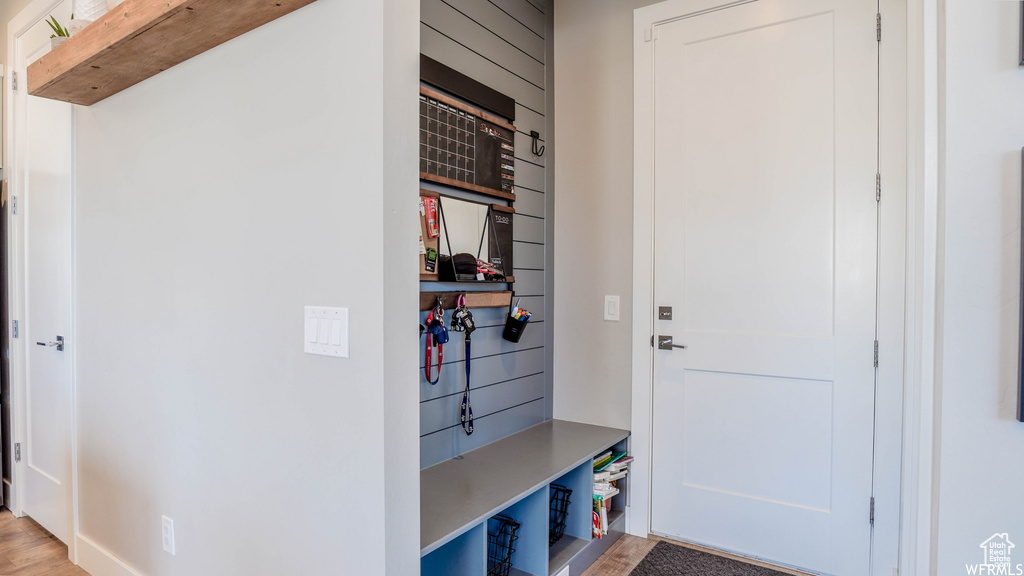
[
  {"x": 611, "y": 308},
  {"x": 311, "y": 329},
  {"x": 327, "y": 331},
  {"x": 335, "y": 332}
]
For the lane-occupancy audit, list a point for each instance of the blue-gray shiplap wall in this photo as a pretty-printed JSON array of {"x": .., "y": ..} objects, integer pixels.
[{"x": 504, "y": 44}]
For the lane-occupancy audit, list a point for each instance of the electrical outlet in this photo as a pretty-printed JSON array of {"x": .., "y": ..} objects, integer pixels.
[{"x": 167, "y": 534}]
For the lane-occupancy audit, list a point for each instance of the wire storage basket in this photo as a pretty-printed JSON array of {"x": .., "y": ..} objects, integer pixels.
[
  {"x": 502, "y": 533},
  {"x": 559, "y": 511}
]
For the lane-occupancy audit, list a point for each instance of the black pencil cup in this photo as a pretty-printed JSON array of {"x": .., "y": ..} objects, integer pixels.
[{"x": 514, "y": 328}]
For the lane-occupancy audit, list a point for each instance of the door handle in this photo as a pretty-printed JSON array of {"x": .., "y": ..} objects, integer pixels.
[
  {"x": 665, "y": 343},
  {"x": 58, "y": 344}
]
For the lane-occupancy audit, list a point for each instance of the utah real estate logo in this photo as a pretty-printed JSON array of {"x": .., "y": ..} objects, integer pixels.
[{"x": 997, "y": 562}]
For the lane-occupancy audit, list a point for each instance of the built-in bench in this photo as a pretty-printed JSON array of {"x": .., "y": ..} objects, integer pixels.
[{"x": 512, "y": 477}]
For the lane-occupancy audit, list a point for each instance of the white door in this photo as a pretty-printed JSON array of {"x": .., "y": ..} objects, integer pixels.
[
  {"x": 44, "y": 190},
  {"x": 765, "y": 155}
]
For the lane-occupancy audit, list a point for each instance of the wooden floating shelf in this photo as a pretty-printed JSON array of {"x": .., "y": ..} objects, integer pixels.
[
  {"x": 141, "y": 38},
  {"x": 437, "y": 278},
  {"x": 466, "y": 186},
  {"x": 473, "y": 299}
]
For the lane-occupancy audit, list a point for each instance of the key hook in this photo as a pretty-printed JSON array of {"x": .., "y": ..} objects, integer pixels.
[{"x": 537, "y": 150}]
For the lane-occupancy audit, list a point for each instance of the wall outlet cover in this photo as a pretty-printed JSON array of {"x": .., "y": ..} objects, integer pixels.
[{"x": 167, "y": 534}]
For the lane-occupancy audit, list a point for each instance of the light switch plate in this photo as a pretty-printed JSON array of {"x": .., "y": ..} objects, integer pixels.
[
  {"x": 326, "y": 331},
  {"x": 611, "y": 308}
]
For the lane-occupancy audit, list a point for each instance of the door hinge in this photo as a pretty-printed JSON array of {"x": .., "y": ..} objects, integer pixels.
[
  {"x": 652, "y": 341},
  {"x": 17, "y": 451},
  {"x": 878, "y": 187},
  {"x": 14, "y": 205},
  {"x": 878, "y": 27},
  {"x": 14, "y": 81},
  {"x": 876, "y": 353},
  {"x": 14, "y": 329},
  {"x": 871, "y": 517}
]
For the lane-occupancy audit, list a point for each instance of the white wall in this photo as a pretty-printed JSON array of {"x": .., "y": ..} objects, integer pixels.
[
  {"x": 215, "y": 200},
  {"x": 8, "y": 9},
  {"x": 401, "y": 287},
  {"x": 593, "y": 208},
  {"x": 981, "y": 449}
]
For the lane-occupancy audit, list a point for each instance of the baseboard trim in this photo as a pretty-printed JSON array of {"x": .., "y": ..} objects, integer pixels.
[{"x": 98, "y": 562}]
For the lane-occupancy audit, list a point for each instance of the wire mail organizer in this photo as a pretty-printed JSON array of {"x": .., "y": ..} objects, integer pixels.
[
  {"x": 502, "y": 534},
  {"x": 559, "y": 511}
]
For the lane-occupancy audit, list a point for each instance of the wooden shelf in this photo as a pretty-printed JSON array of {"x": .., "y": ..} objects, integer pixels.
[
  {"x": 141, "y": 38},
  {"x": 473, "y": 299},
  {"x": 467, "y": 186},
  {"x": 437, "y": 278}
]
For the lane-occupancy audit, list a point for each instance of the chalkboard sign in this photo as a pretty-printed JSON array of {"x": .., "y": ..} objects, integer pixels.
[
  {"x": 500, "y": 244},
  {"x": 465, "y": 147}
]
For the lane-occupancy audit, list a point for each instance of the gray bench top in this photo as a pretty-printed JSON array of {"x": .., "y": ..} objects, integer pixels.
[{"x": 460, "y": 493}]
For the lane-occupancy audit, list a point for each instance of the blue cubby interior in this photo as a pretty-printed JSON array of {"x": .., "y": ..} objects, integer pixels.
[
  {"x": 466, "y": 554},
  {"x": 579, "y": 517},
  {"x": 531, "y": 555},
  {"x": 579, "y": 522}
]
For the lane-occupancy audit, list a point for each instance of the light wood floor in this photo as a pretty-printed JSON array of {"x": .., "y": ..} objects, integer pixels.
[
  {"x": 622, "y": 557},
  {"x": 26, "y": 549}
]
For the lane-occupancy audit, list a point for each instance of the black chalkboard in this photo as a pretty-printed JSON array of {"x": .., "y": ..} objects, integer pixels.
[
  {"x": 495, "y": 156},
  {"x": 500, "y": 240},
  {"x": 465, "y": 147}
]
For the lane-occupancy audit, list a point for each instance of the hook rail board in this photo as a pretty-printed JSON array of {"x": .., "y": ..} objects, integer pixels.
[
  {"x": 141, "y": 38},
  {"x": 473, "y": 299}
]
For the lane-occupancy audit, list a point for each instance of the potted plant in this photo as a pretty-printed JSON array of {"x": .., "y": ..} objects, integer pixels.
[{"x": 60, "y": 33}]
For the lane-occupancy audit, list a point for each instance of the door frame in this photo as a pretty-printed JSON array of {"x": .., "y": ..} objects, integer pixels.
[
  {"x": 901, "y": 477},
  {"x": 14, "y": 160}
]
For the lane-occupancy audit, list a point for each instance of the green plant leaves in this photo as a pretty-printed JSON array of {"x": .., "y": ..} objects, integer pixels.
[{"x": 58, "y": 30}]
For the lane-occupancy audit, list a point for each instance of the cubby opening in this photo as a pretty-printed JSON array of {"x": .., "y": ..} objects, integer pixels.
[
  {"x": 619, "y": 501},
  {"x": 531, "y": 556},
  {"x": 465, "y": 554},
  {"x": 579, "y": 518}
]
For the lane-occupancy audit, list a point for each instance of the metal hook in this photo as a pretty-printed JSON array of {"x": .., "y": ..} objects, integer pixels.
[{"x": 537, "y": 151}]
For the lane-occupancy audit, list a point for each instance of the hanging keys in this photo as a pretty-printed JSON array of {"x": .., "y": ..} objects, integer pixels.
[
  {"x": 462, "y": 318},
  {"x": 458, "y": 314},
  {"x": 435, "y": 325}
]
